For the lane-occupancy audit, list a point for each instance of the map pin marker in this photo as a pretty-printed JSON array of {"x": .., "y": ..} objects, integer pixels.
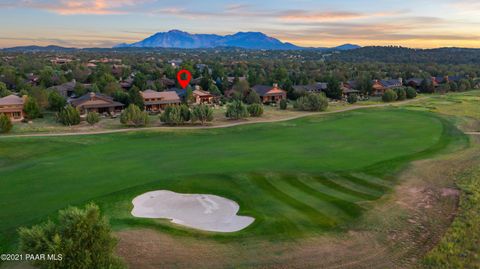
[{"x": 184, "y": 77}]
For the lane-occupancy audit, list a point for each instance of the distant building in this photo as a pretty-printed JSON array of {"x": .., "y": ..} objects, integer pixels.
[
  {"x": 12, "y": 106},
  {"x": 156, "y": 101},
  {"x": 202, "y": 97},
  {"x": 311, "y": 88},
  {"x": 66, "y": 89},
  {"x": 270, "y": 94},
  {"x": 96, "y": 102},
  {"x": 380, "y": 86}
]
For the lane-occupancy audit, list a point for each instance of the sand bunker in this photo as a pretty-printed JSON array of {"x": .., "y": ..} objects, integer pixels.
[{"x": 200, "y": 211}]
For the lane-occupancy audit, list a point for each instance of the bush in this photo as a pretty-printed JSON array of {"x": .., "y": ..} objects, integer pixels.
[
  {"x": 93, "y": 118},
  {"x": 55, "y": 101},
  {"x": 311, "y": 102},
  {"x": 82, "y": 236},
  {"x": 411, "y": 93},
  {"x": 172, "y": 115},
  {"x": 255, "y": 110},
  {"x": 32, "y": 109},
  {"x": 283, "y": 104},
  {"x": 389, "y": 96},
  {"x": 253, "y": 98},
  {"x": 134, "y": 117},
  {"x": 352, "y": 98},
  {"x": 5, "y": 124},
  {"x": 68, "y": 116},
  {"x": 401, "y": 94},
  {"x": 202, "y": 113},
  {"x": 186, "y": 114},
  {"x": 236, "y": 110}
]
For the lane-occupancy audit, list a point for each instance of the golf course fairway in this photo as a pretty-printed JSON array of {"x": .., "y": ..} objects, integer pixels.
[{"x": 304, "y": 176}]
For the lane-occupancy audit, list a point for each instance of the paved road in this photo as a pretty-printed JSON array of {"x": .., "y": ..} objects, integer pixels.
[{"x": 209, "y": 127}]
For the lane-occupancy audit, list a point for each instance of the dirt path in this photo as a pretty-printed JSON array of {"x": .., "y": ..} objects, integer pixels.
[
  {"x": 472, "y": 133},
  {"x": 124, "y": 130}
]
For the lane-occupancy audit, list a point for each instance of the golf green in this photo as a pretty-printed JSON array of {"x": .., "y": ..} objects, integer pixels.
[{"x": 297, "y": 177}]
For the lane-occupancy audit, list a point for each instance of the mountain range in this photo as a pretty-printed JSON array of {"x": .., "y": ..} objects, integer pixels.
[{"x": 245, "y": 40}]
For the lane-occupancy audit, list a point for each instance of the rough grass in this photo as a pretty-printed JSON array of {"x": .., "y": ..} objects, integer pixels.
[{"x": 296, "y": 178}]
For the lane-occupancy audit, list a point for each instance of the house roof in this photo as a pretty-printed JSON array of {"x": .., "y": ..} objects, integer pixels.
[
  {"x": 179, "y": 92},
  {"x": 95, "y": 100},
  {"x": 167, "y": 96},
  {"x": 390, "y": 83},
  {"x": 11, "y": 100},
  {"x": 417, "y": 81},
  {"x": 65, "y": 87},
  {"x": 202, "y": 93},
  {"x": 263, "y": 90}
]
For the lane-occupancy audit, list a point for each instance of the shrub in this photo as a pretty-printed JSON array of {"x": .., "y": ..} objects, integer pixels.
[
  {"x": 401, "y": 94},
  {"x": 411, "y": 93},
  {"x": 255, "y": 110},
  {"x": 389, "y": 96},
  {"x": 236, "y": 110},
  {"x": 32, "y": 109},
  {"x": 352, "y": 99},
  {"x": 68, "y": 116},
  {"x": 185, "y": 113},
  {"x": 311, "y": 102},
  {"x": 82, "y": 236},
  {"x": 172, "y": 115},
  {"x": 93, "y": 118},
  {"x": 134, "y": 117},
  {"x": 5, "y": 124},
  {"x": 253, "y": 98},
  {"x": 202, "y": 113},
  {"x": 283, "y": 104},
  {"x": 55, "y": 101}
]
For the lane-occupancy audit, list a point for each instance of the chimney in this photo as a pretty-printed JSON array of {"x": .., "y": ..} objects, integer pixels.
[
  {"x": 275, "y": 85},
  {"x": 197, "y": 87}
]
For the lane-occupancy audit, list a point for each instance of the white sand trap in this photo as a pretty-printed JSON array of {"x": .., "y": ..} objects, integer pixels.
[{"x": 200, "y": 211}]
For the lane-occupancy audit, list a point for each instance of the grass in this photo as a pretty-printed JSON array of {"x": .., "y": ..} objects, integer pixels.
[{"x": 301, "y": 177}]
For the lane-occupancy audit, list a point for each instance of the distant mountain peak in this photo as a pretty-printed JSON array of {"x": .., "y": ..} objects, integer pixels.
[{"x": 248, "y": 40}]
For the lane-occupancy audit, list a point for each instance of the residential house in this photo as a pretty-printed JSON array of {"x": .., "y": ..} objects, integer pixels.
[
  {"x": 156, "y": 101},
  {"x": 270, "y": 94},
  {"x": 414, "y": 82},
  {"x": 12, "y": 106},
  {"x": 380, "y": 86},
  {"x": 96, "y": 102},
  {"x": 311, "y": 88},
  {"x": 66, "y": 89},
  {"x": 127, "y": 83},
  {"x": 231, "y": 80},
  {"x": 202, "y": 97}
]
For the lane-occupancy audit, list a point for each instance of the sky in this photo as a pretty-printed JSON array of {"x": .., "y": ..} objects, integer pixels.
[{"x": 105, "y": 23}]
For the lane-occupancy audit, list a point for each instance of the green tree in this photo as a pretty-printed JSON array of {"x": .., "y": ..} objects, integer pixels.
[
  {"x": 401, "y": 94},
  {"x": 136, "y": 97},
  {"x": 255, "y": 110},
  {"x": 56, "y": 101},
  {"x": 352, "y": 98},
  {"x": 134, "y": 117},
  {"x": 93, "y": 118},
  {"x": 411, "y": 92},
  {"x": 82, "y": 236},
  {"x": 3, "y": 90},
  {"x": 68, "y": 116},
  {"x": 253, "y": 98},
  {"x": 189, "y": 95},
  {"x": 122, "y": 97},
  {"x": 5, "y": 123},
  {"x": 185, "y": 113},
  {"x": 172, "y": 115},
  {"x": 283, "y": 104},
  {"x": 311, "y": 102},
  {"x": 202, "y": 113},
  {"x": 32, "y": 109},
  {"x": 333, "y": 90},
  {"x": 389, "y": 96},
  {"x": 236, "y": 110}
]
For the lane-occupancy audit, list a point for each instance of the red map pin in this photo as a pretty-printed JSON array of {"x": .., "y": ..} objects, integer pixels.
[{"x": 184, "y": 77}]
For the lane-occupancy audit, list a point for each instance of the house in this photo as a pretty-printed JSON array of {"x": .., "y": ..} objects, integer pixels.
[
  {"x": 270, "y": 94},
  {"x": 231, "y": 80},
  {"x": 380, "y": 86},
  {"x": 12, "y": 106},
  {"x": 414, "y": 82},
  {"x": 175, "y": 62},
  {"x": 202, "y": 97},
  {"x": 96, "y": 102},
  {"x": 311, "y": 88},
  {"x": 167, "y": 83},
  {"x": 66, "y": 89},
  {"x": 156, "y": 101},
  {"x": 127, "y": 83}
]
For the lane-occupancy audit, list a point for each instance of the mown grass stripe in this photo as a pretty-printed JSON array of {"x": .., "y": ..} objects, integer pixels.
[
  {"x": 373, "y": 179},
  {"x": 348, "y": 208},
  {"x": 348, "y": 183},
  {"x": 365, "y": 183},
  {"x": 311, "y": 213},
  {"x": 320, "y": 187},
  {"x": 334, "y": 185}
]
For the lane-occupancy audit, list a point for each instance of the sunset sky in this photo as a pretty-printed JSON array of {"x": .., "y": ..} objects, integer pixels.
[{"x": 104, "y": 23}]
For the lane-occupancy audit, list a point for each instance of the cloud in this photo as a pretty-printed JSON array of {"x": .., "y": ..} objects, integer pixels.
[{"x": 76, "y": 7}]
